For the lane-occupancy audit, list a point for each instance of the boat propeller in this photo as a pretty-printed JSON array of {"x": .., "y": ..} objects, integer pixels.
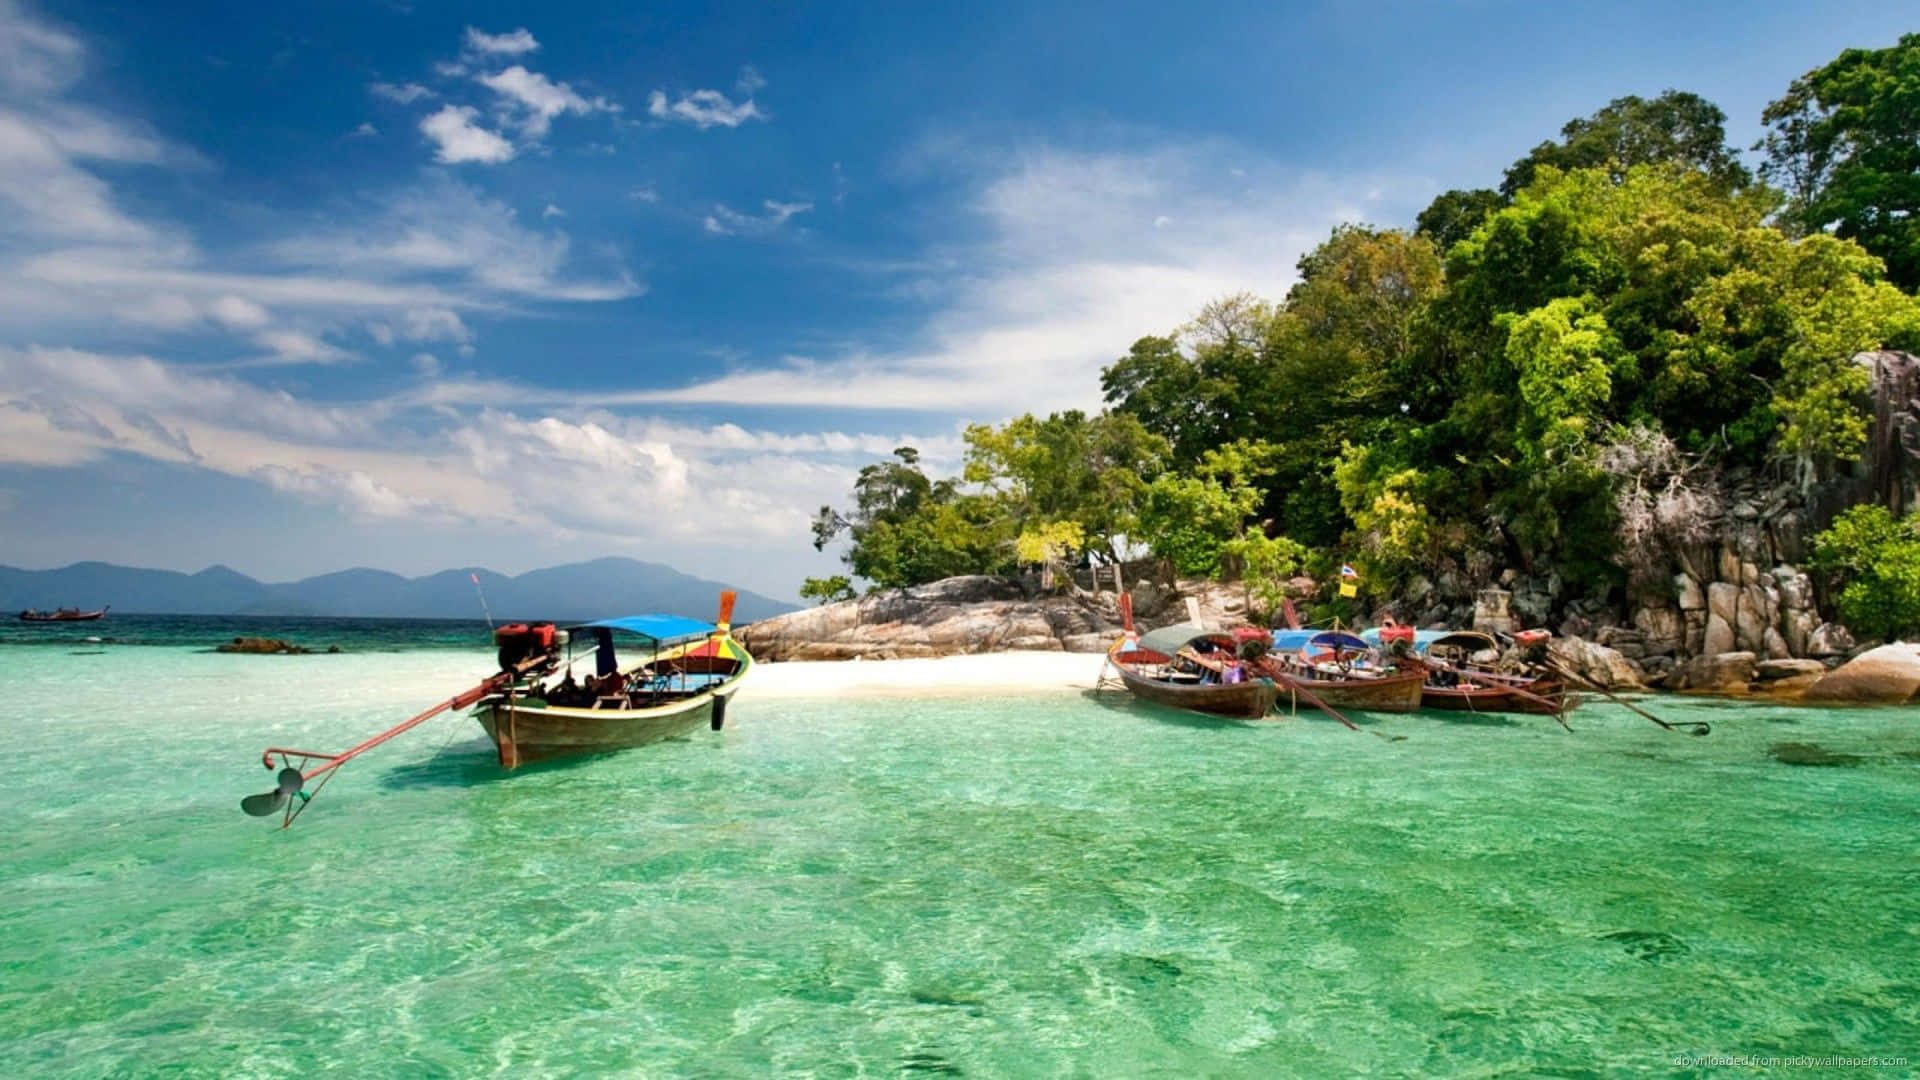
[{"x": 266, "y": 803}]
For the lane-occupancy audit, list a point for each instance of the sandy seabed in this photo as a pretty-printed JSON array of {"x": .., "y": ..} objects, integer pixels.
[{"x": 972, "y": 674}]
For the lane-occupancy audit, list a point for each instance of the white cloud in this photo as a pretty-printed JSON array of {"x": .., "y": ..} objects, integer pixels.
[
  {"x": 725, "y": 221},
  {"x": 458, "y": 139},
  {"x": 596, "y": 475},
  {"x": 703, "y": 109},
  {"x": 552, "y": 211},
  {"x": 434, "y": 324},
  {"x": 297, "y": 347},
  {"x": 404, "y": 93},
  {"x": 515, "y": 43},
  {"x": 444, "y": 228},
  {"x": 36, "y": 58},
  {"x": 366, "y": 130},
  {"x": 238, "y": 313},
  {"x": 537, "y": 100},
  {"x": 645, "y": 194},
  {"x": 749, "y": 82},
  {"x": 1063, "y": 278}
]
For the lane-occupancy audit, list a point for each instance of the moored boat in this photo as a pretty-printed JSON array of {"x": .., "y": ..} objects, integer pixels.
[
  {"x": 1341, "y": 670},
  {"x": 683, "y": 674},
  {"x": 65, "y": 614},
  {"x": 1187, "y": 667},
  {"x": 1460, "y": 676}
]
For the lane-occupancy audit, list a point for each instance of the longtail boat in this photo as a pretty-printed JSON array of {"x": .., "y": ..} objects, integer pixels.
[
  {"x": 1187, "y": 667},
  {"x": 686, "y": 672},
  {"x": 683, "y": 673},
  {"x": 1461, "y": 678},
  {"x": 65, "y": 614},
  {"x": 1174, "y": 665},
  {"x": 1340, "y": 669}
]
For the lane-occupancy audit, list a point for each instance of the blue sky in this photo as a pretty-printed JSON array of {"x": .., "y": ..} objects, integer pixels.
[{"x": 416, "y": 285}]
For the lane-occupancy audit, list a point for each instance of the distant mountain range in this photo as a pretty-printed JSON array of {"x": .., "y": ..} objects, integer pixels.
[{"x": 589, "y": 590}]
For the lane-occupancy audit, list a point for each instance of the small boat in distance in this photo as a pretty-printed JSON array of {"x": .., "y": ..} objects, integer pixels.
[{"x": 65, "y": 614}]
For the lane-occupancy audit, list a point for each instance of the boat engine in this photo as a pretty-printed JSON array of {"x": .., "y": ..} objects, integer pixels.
[
  {"x": 1396, "y": 640},
  {"x": 520, "y": 642},
  {"x": 1533, "y": 644}
]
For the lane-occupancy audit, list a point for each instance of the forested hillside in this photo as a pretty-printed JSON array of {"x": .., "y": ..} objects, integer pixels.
[{"x": 1569, "y": 376}]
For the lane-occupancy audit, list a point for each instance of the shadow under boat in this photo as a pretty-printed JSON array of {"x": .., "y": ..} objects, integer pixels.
[
  {"x": 475, "y": 762},
  {"x": 1123, "y": 701}
]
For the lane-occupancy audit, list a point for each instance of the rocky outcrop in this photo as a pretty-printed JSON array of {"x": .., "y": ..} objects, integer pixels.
[
  {"x": 267, "y": 646},
  {"x": 1888, "y": 675},
  {"x": 1725, "y": 673},
  {"x": 980, "y": 613},
  {"x": 1598, "y": 664}
]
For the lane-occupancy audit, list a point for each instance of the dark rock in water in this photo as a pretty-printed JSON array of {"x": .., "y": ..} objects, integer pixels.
[
  {"x": 333, "y": 648},
  {"x": 1648, "y": 944},
  {"x": 261, "y": 646},
  {"x": 1799, "y": 753}
]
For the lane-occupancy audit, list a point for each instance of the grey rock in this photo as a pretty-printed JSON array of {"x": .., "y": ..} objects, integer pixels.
[
  {"x": 1718, "y": 638},
  {"x": 1888, "y": 675},
  {"x": 1728, "y": 672},
  {"x": 1768, "y": 670},
  {"x": 1688, "y": 592},
  {"x": 1829, "y": 639},
  {"x": 1597, "y": 663}
]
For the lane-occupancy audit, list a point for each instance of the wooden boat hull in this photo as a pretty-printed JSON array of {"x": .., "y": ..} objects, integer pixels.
[
  {"x": 1251, "y": 699},
  {"x": 1388, "y": 693},
  {"x": 1501, "y": 692},
  {"x": 523, "y": 733}
]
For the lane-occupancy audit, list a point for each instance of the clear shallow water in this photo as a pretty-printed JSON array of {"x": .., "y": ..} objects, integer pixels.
[{"x": 1041, "y": 885}]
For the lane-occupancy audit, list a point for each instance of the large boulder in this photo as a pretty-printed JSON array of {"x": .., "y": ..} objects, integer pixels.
[
  {"x": 1597, "y": 664},
  {"x": 1888, "y": 675},
  {"x": 1829, "y": 639},
  {"x": 1724, "y": 673}
]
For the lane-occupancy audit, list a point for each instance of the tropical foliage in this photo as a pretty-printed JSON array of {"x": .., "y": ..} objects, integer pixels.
[
  {"x": 1878, "y": 558},
  {"x": 1546, "y": 375}
]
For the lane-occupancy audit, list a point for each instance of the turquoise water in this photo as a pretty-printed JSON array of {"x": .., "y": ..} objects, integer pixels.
[{"x": 992, "y": 886}]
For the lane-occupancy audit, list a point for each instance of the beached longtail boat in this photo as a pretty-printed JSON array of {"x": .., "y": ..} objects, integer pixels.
[
  {"x": 65, "y": 614},
  {"x": 1340, "y": 669},
  {"x": 1187, "y": 667},
  {"x": 1161, "y": 667},
  {"x": 534, "y": 708},
  {"x": 1461, "y": 677}
]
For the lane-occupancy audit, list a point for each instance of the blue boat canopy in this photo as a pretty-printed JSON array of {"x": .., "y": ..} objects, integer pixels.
[
  {"x": 1338, "y": 639},
  {"x": 661, "y": 629}
]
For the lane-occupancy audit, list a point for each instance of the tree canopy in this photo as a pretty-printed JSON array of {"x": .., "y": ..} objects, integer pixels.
[
  {"x": 1844, "y": 143},
  {"x": 1535, "y": 377}
]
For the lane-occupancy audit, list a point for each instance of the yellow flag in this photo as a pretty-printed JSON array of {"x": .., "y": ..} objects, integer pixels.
[{"x": 1348, "y": 588}]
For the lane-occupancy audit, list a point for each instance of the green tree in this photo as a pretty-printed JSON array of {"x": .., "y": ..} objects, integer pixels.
[
  {"x": 827, "y": 590},
  {"x": 1845, "y": 145},
  {"x": 1878, "y": 559},
  {"x": 906, "y": 529},
  {"x": 1191, "y": 517},
  {"x": 1675, "y": 128},
  {"x": 1600, "y": 302},
  {"x": 1453, "y": 215},
  {"x": 1069, "y": 467}
]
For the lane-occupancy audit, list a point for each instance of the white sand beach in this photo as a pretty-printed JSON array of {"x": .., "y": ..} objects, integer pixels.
[{"x": 972, "y": 674}]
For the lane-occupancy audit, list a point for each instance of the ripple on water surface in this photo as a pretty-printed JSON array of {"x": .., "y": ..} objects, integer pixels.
[{"x": 995, "y": 886}]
